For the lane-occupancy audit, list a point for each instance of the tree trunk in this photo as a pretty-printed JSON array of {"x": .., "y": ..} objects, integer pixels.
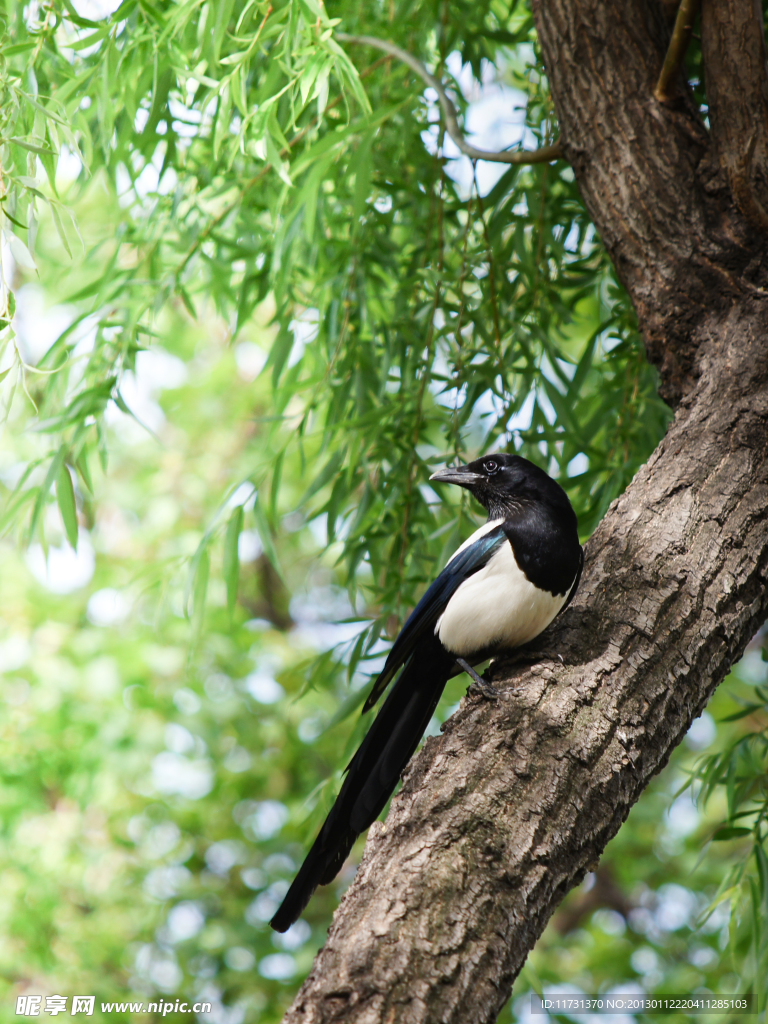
[{"x": 501, "y": 815}]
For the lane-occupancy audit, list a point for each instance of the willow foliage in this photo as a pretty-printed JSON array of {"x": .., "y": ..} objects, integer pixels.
[{"x": 256, "y": 164}]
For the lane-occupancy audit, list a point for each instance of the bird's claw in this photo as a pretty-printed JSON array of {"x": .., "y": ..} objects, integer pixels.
[
  {"x": 483, "y": 689},
  {"x": 478, "y": 683}
]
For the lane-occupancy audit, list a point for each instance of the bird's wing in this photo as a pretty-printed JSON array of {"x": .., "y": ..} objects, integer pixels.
[
  {"x": 575, "y": 586},
  {"x": 470, "y": 557}
]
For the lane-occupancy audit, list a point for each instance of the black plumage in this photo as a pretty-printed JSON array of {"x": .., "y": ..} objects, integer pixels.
[{"x": 501, "y": 588}]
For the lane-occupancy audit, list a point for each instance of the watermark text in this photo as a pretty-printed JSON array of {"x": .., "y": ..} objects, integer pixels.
[{"x": 52, "y": 1006}]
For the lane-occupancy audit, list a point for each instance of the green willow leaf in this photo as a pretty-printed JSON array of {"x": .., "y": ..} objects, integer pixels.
[
  {"x": 65, "y": 495},
  {"x": 54, "y": 468},
  {"x": 199, "y": 592},
  {"x": 231, "y": 568},
  {"x": 730, "y": 832},
  {"x": 265, "y": 533}
]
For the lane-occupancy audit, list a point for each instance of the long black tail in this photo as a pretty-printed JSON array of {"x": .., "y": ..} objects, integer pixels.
[{"x": 372, "y": 774}]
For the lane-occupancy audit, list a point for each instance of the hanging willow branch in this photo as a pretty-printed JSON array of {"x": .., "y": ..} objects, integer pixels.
[{"x": 544, "y": 155}]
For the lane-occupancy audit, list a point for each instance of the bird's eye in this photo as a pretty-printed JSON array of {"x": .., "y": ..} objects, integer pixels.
[{"x": 491, "y": 467}]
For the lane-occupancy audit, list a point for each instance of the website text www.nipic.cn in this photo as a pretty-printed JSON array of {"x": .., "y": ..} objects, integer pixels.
[{"x": 51, "y": 1006}]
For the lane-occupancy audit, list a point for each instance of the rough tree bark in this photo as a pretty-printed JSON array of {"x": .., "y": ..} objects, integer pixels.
[{"x": 501, "y": 815}]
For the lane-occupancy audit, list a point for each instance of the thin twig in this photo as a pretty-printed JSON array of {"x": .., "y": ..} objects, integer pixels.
[
  {"x": 538, "y": 156},
  {"x": 491, "y": 269},
  {"x": 430, "y": 355},
  {"x": 678, "y": 44}
]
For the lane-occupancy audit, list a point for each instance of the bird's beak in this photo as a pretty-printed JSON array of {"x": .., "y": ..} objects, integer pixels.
[{"x": 461, "y": 475}]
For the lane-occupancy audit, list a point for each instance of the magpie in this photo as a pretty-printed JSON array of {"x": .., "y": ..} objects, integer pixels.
[{"x": 500, "y": 589}]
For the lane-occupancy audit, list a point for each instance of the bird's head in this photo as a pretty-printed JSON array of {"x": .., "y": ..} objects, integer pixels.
[{"x": 503, "y": 482}]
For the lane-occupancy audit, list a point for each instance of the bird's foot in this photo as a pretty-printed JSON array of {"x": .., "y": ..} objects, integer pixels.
[
  {"x": 485, "y": 689},
  {"x": 478, "y": 683}
]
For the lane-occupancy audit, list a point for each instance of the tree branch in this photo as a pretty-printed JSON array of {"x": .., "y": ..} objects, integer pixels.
[
  {"x": 546, "y": 154},
  {"x": 678, "y": 44},
  {"x": 733, "y": 47},
  {"x": 640, "y": 165}
]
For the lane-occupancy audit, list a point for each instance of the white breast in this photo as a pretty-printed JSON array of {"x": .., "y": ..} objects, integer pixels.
[{"x": 497, "y": 607}]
